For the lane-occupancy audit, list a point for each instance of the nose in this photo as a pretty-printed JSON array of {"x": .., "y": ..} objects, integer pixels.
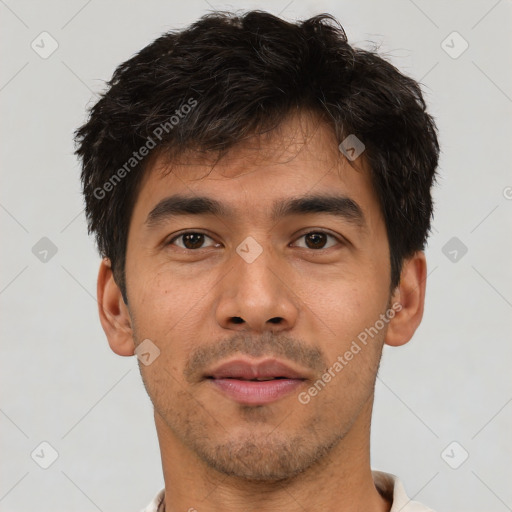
[{"x": 256, "y": 296}]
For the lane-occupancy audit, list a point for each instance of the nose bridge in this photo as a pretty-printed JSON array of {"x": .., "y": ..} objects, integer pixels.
[
  {"x": 254, "y": 296},
  {"x": 255, "y": 273}
]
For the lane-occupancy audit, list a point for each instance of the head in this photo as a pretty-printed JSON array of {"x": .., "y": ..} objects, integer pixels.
[{"x": 259, "y": 189}]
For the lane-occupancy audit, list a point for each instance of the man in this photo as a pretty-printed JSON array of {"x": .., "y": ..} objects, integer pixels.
[{"x": 260, "y": 194}]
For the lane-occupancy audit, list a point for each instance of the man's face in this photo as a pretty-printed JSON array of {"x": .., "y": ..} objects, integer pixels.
[{"x": 257, "y": 291}]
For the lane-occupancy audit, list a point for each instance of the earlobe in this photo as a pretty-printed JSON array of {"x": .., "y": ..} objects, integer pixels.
[
  {"x": 410, "y": 294},
  {"x": 114, "y": 315}
]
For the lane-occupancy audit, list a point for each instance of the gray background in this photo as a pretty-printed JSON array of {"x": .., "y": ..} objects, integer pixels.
[{"x": 61, "y": 383}]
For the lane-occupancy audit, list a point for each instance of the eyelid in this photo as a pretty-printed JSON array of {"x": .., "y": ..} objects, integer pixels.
[
  {"x": 341, "y": 240},
  {"x": 187, "y": 232}
]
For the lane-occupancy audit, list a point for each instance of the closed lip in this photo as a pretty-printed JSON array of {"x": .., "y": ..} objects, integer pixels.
[{"x": 245, "y": 369}]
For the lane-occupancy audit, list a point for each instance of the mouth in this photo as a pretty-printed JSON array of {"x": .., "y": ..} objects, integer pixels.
[{"x": 255, "y": 383}]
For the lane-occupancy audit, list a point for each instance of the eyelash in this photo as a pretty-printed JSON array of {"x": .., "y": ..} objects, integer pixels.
[{"x": 319, "y": 231}]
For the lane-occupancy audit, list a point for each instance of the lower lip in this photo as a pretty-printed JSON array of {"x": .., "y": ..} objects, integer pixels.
[{"x": 250, "y": 392}]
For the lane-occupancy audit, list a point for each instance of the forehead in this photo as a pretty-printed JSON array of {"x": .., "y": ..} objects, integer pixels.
[{"x": 300, "y": 157}]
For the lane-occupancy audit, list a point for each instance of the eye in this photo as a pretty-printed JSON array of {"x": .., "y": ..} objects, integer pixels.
[
  {"x": 190, "y": 240},
  {"x": 318, "y": 240}
]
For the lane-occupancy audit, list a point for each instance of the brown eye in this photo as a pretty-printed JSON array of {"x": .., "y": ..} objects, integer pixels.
[
  {"x": 317, "y": 240},
  {"x": 190, "y": 240}
]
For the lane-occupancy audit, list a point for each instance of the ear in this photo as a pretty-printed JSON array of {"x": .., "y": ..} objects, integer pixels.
[
  {"x": 408, "y": 301},
  {"x": 114, "y": 315}
]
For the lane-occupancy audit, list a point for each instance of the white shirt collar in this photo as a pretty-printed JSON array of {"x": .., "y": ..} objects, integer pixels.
[{"x": 387, "y": 484}]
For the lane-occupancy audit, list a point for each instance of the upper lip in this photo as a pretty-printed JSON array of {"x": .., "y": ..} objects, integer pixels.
[{"x": 247, "y": 370}]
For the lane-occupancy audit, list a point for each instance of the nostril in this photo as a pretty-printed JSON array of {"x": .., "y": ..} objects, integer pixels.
[
  {"x": 238, "y": 320},
  {"x": 276, "y": 320}
]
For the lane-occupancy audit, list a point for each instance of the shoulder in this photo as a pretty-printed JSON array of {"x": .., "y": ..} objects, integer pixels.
[
  {"x": 392, "y": 489},
  {"x": 156, "y": 504}
]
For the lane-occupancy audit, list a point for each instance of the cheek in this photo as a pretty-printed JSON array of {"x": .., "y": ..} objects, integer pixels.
[
  {"x": 353, "y": 349},
  {"x": 162, "y": 299},
  {"x": 348, "y": 304},
  {"x": 348, "y": 315},
  {"x": 174, "y": 312}
]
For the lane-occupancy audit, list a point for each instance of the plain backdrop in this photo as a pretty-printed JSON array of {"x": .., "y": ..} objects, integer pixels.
[{"x": 443, "y": 409}]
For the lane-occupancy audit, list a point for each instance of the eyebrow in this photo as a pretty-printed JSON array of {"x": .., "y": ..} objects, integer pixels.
[
  {"x": 180, "y": 205},
  {"x": 177, "y": 205},
  {"x": 339, "y": 206}
]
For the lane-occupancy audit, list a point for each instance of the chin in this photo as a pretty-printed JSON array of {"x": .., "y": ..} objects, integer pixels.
[{"x": 264, "y": 458}]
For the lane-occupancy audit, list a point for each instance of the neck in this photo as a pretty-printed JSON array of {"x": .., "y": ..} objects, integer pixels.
[{"x": 341, "y": 480}]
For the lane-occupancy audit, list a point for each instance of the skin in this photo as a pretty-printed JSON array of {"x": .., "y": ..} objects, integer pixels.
[{"x": 218, "y": 455}]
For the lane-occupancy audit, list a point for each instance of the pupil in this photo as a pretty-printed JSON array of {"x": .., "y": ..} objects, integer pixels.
[
  {"x": 193, "y": 240},
  {"x": 317, "y": 239}
]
